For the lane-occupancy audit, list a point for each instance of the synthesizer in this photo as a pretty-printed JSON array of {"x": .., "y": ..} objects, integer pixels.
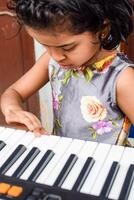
[{"x": 58, "y": 168}]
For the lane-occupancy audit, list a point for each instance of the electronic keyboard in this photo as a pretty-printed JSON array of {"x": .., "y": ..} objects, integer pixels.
[{"x": 58, "y": 168}]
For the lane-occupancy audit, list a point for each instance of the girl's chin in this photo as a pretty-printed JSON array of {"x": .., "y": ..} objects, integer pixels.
[
  {"x": 76, "y": 67},
  {"x": 67, "y": 66}
]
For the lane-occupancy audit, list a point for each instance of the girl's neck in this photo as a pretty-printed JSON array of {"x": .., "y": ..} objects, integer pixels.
[
  {"x": 105, "y": 53},
  {"x": 100, "y": 56}
]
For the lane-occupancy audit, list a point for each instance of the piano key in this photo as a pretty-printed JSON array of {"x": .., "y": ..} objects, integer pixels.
[
  {"x": 2, "y": 145},
  {"x": 131, "y": 194},
  {"x": 43, "y": 143},
  {"x": 12, "y": 158},
  {"x": 26, "y": 162},
  {"x": 46, "y": 142},
  {"x": 65, "y": 171},
  {"x": 26, "y": 139},
  {"x": 61, "y": 158},
  {"x": 16, "y": 136},
  {"x": 114, "y": 154},
  {"x": 99, "y": 156},
  {"x": 109, "y": 180},
  {"x": 126, "y": 188},
  {"x": 5, "y": 133},
  {"x": 126, "y": 160},
  {"x": 59, "y": 149},
  {"x": 41, "y": 165},
  {"x": 23, "y": 139},
  {"x": 83, "y": 174},
  {"x": 15, "y": 166},
  {"x": 2, "y": 128},
  {"x": 86, "y": 151},
  {"x": 74, "y": 148}
]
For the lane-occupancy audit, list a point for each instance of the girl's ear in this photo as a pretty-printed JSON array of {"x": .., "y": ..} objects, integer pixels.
[
  {"x": 105, "y": 32},
  {"x": 105, "y": 36}
]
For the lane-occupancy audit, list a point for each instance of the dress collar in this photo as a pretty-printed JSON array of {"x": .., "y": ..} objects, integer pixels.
[{"x": 103, "y": 64}]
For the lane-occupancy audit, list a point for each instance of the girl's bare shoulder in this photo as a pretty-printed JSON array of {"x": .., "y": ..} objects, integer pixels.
[
  {"x": 126, "y": 78},
  {"x": 125, "y": 92}
]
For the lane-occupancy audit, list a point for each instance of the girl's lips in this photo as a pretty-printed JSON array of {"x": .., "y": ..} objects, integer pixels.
[
  {"x": 63, "y": 64},
  {"x": 66, "y": 66}
]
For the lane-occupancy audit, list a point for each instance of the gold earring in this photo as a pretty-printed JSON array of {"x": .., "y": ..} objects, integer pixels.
[{"x": 103, "y": 35}]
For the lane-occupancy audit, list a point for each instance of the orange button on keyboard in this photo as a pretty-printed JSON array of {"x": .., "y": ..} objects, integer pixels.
[
  {"x": 15, "y": 191},
  {"x": 4, "y": 187}
]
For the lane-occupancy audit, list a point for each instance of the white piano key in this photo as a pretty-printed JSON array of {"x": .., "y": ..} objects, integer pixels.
[
  {"x": 31, "y": 167},
  {"x": 47, "y": 142},
  {"x": 26, "y": 162},
  {"x": 2, "y": 128},
  {"x": 17, "y": 163},
  {"x": 41, "y": 165},
  {"x": 27, "y": 138},
  {"x": 83, "y": 174},
  {"x": 6, "y": 133},
  {"x": 87, "y": 151},
  {"x": 12, "y": 158},
  {"x": 20, "y": 137},
  {"x": 109, "y": 180},
  {"x": 74, "y": 148},
  {"x": 13, "y": 136},
  {"x": 127, "y": 184},
  {"x": 65, "y": 170},
  {"x": 114, "y": 155},
  {"x": 11, "y": 142},
  {"x": 99, "y": 155},
  {"x": 43, "y": 142},
  {"x": 59, "y": 150},
  {"x": 126, "y": 160}
]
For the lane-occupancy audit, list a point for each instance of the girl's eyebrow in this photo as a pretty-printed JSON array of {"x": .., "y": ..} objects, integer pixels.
[{"x": 59, "y": 46}]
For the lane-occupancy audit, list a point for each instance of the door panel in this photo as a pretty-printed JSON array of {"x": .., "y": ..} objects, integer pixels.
[
  {"x": 129, "y": 47},
  {"x": 16, "y": 55}
]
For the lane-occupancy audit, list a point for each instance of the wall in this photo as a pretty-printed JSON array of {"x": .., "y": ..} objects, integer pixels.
[{"x": 45, "y": 97}]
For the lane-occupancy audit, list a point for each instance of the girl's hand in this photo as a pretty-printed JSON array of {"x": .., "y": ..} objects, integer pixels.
[{"x": 26, "y": 118}]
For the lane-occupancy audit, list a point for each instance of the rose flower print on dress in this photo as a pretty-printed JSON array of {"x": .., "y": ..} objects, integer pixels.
[{"x": 94, "y": 111}]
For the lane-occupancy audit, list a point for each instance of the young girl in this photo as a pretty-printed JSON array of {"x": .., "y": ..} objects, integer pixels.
[{"x": 92, "y": 83}]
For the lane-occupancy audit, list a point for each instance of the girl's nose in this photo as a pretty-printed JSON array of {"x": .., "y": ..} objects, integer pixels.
[{"x": 57, "y": 54}]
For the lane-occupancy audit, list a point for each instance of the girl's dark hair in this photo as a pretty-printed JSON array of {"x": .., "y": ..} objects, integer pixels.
[{"x": 78, "y": 16}]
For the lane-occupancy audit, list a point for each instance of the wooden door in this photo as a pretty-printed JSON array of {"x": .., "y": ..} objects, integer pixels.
[
  {"x": 16, "y": 56},
  {"x": 129, "y": 47}
]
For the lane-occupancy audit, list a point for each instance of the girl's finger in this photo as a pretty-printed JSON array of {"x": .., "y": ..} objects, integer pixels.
[
  {"x": 27, "y": 122},
  {"x": 41, "y": 131},
  {"x": 36, "y": 122}
]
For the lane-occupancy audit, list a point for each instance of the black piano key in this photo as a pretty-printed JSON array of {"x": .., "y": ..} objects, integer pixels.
[
  {"x": 41, "y": 165},
  {"x": 127, "y": 183},
  {"x": 109, "y": 180},
  {"x": 12, "y": 158},
  {"x": 83, "y": 174},
  {"x": 2, "y": 145},
  {"x": 26, "y": 162},
  {"x": 66, "y": 169}
]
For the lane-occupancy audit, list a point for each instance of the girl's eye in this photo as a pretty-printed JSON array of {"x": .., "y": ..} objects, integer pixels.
[{"x": 68, "y": 48}]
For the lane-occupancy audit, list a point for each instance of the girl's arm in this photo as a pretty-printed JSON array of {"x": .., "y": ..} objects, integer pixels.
[
  {"x": 125, "y": 93},
  {"x": 17, "y": 93}
]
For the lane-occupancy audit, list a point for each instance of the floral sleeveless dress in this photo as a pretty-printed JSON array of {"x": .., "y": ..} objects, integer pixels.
[{"x": 84, "y": 102}]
